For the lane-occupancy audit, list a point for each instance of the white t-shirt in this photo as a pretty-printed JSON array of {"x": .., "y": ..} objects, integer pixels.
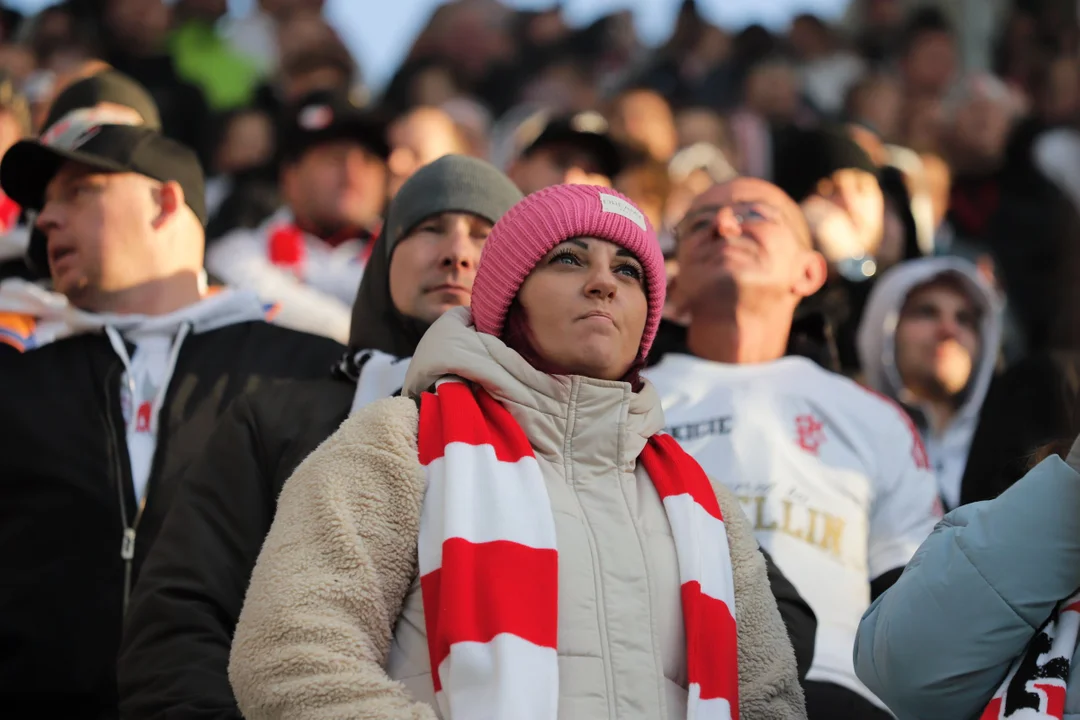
[
  {"x": 833, "y": 477},
  {"x": 147, "y": 379}
]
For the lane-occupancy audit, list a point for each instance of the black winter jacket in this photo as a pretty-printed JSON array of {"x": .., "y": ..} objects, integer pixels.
[
  {"x": 175, "y": 652},
  {"x": 66, "y": 496}
]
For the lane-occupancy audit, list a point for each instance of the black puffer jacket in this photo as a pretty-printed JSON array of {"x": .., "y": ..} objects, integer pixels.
[
  {"x": 67, "y": 495},
  {"x": 175, "y": 651}
]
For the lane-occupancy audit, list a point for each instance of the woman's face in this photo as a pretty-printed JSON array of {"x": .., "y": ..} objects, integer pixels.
[
  {"x": 433, "y": 267},
  {"x": 586, "y": 307}
]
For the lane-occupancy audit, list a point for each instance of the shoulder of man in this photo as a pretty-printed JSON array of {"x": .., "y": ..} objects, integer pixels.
[
  {"x": 388, "y": 425},
  {"x": 879, "y": 415},
  {"x": 301, "y": 405},
  {"x": 288, "y": 346}
]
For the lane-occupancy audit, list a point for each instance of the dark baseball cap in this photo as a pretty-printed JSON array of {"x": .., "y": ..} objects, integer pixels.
[
  {"x": 588, "y": 130},
  {"x": 326, "y": 116},
  {"x": 105, "y": 87},
  {"x": 106, "y": 139}
]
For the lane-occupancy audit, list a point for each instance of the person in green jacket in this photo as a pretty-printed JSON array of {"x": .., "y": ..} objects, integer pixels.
[{"x": 203, "y": 57}]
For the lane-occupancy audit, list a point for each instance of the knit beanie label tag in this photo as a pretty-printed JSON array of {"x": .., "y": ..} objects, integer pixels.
[{"x": 617, "y": 205}]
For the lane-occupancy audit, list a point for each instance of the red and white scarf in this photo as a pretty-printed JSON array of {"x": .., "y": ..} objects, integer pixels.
[
  {"x": 1035, "y": 687},
  {"x": 489, "y": 566}
]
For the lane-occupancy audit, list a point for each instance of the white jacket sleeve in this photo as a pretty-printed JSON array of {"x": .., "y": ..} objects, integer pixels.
[{"x": 240, "y": 260}]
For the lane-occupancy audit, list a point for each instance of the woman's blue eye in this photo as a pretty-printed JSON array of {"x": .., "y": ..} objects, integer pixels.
[
  {"x": 566, "y": 258},
  {"x": 629, "y": 271}
]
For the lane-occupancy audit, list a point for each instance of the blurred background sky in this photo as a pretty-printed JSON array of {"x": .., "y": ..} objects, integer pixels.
[{"x": 379, "y": 32}]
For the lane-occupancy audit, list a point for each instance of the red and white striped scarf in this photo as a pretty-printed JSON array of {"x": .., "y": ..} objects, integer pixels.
[
  {"x": 1036, "y": 685},
  {"x": 489, "y": 566}
]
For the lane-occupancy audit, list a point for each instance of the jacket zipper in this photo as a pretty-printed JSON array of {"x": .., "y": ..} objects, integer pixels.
[{"x": 127, "y": 542}]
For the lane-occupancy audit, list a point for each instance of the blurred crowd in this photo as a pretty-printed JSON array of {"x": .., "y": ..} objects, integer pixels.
[
  {"x": 974, "y": 164},
  {"x": 944, "y": 201}
]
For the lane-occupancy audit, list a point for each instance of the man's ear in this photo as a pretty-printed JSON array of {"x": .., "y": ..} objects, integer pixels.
[
  {"x": 170, "y": 197},
  {"x": 812, "y": 275}
]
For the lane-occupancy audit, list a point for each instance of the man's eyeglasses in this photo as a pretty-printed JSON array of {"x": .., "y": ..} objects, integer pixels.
[{"x": 705, "y": 219}]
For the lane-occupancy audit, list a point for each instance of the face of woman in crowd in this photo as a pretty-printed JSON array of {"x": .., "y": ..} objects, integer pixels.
[
  {"x": 433, "y": 267},
  {"x": 586, "y": 308}
]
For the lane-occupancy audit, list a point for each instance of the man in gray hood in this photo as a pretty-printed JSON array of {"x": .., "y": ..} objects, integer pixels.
[{"x": 929, "y": 339}]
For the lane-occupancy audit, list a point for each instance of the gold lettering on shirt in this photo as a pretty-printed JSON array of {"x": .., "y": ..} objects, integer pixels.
[
  {"x": 811, "y": 532},
  {"x": 810, "y": 525},
  {"x": 786, "y": 527},
  {"x": 834, "y": 529}
]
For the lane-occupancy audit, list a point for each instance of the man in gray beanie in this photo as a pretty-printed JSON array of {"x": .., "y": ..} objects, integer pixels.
[
  {"x": 455, "y": 185},
  {"x": 175, "y": 652}
]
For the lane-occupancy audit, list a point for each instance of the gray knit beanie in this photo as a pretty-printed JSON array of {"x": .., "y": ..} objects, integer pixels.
[{"x": 453, "y": 183}]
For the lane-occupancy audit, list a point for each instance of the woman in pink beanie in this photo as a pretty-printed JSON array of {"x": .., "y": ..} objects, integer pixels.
[{"x": 517, "y": 538}]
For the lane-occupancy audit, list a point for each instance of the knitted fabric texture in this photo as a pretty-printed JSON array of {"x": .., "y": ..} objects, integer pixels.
[
  {"x": 453, "y": 183},
  {"x": 543, "y": 220}
]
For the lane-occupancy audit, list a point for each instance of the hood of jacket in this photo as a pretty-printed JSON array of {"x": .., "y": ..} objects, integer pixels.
[
  {"x": 377, "y": 324},
  {"x": 31, "y": 316},
  {"x": 549, "y": 408},
  {"x": 876, "y": 340}
]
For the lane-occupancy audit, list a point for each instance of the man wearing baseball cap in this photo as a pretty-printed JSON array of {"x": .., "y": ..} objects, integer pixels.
[
  {"x": 310, "y": 255},
  {"x": 112, "y": 385},
  {"x": 102, "y": 88},
  {"x": 553, "y": 150}
]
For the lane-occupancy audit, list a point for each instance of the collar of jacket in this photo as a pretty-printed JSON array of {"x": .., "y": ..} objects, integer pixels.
[{"x": 569, "y": 418}]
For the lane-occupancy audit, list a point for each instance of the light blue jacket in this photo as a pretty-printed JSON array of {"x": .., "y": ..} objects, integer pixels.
[{"x": 938, "y": 644}]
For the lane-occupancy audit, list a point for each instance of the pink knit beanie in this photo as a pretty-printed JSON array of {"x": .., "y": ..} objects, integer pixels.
[{"x": 539, "y": 222}]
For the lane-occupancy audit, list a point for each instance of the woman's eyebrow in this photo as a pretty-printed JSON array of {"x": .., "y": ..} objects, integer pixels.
[
  {"x": 580, "y": 243},
  {"x": 623, "y": 252}
]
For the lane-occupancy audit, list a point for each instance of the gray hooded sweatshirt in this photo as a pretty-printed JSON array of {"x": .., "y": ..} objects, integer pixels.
[{"x": 947, "y": 449}]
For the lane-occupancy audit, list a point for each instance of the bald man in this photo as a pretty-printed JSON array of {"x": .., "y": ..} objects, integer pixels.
[
  {"x": 833, "y": 477},
  {"x": 419, "y": 137}
]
